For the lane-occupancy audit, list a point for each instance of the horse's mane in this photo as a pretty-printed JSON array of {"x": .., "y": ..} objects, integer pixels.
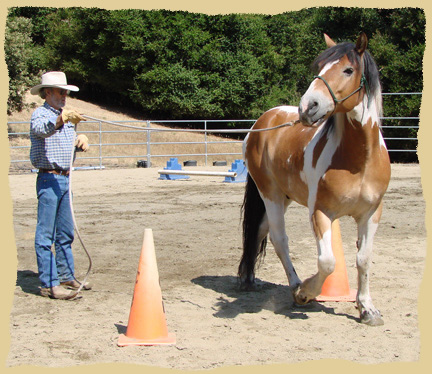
[{"x": 370, "y": 68}]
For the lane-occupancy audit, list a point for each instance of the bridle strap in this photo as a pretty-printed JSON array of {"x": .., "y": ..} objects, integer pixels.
[{"x": 363, "y": 82}]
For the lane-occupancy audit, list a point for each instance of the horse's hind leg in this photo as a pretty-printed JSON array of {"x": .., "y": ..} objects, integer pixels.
[
  {"x": 366, "y": 232},
  {"x": 276, "y": 221},
  {"x": 251, "y": 257},
  {"x": 255, "y": 230}
]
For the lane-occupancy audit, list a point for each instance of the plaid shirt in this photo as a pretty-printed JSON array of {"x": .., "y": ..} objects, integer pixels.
[{"x": 50, "y": 148}]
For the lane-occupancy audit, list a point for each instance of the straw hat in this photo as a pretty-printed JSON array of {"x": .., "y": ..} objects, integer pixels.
[{"x": 53, "y": 79}]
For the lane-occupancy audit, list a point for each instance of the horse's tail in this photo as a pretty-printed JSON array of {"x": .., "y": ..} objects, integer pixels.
[{"x": 253, "y": 210}]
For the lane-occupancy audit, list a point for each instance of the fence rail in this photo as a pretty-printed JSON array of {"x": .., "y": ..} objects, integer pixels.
[{"x": 102, "y": 140}]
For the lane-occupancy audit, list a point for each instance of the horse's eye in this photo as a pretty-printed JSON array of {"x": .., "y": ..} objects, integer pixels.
[{"x": 349, "y": 71}]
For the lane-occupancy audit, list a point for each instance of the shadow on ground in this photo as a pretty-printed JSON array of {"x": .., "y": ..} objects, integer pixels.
[{"x": 276, "y": 298}]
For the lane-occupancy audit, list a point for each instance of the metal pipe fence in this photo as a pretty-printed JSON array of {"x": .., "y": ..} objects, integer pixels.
[{"x": 104, "y": 145}]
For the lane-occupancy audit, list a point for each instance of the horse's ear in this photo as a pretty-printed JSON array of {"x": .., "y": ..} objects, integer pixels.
[
  {"x": 362, "y": 43},
  {"x": 330, "y": 43}
]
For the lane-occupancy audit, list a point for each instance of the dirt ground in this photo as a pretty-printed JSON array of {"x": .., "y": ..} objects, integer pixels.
[{"x": 197, "y": 236}]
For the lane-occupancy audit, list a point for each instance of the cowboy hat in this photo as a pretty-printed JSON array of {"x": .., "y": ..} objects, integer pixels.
[{"x": 53, "y": 79}]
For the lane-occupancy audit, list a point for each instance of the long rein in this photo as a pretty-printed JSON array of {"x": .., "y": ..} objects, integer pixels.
[
  {"x": 82, "y": 283},
  {"x": 192, "y": 130}
]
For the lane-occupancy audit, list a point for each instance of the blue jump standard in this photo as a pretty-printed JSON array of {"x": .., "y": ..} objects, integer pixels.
[
  {"x": 238, "y": 166},
  {"x": 173, "y": 164}
]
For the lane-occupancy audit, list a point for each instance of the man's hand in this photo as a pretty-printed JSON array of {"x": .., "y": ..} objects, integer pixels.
[
  {"x": 81, "y": 142},
  {"x": 71, "y": 116}
]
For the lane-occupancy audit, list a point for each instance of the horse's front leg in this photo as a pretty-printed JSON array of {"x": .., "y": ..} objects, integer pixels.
[
  {"x": 366, "y": 232},
  {"x": 311, "y": 287}
]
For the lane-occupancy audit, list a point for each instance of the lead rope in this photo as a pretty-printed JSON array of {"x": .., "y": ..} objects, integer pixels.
[
  {"x": 192, "y": 130},
  {"x": 73, "y": 295},
  {"x": 143, "y": 129}
]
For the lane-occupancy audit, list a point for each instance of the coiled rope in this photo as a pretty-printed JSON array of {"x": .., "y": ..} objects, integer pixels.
[{"x": 82, "y": 283}]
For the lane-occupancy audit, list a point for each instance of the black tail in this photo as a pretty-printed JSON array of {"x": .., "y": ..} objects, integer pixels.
[{"x": 253, "y": 210}]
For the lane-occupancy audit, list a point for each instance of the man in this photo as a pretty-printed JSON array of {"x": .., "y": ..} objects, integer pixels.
[{"x": 52, "y": 135}]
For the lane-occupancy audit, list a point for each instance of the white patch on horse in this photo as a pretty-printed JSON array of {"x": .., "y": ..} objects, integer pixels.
[
  {"x": 244, "y": 145},
  {"x": 314, "y": 174},
  {"x": 288, "y": 108},
  {"x": 365, "y": 111},
  {"x": 327, "y": 67},
  {"x": 275, "y": 215},
  {"x": 326, "y": 259},
  {"x": 382, "y": 141},
  {"x": 368, "y": 110},
  {"x": 303, "y": 176},
  {"x": 316, "y": 99}
]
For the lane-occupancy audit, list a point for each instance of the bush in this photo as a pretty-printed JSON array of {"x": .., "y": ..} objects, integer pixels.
[{"x": 21, "y": 59}]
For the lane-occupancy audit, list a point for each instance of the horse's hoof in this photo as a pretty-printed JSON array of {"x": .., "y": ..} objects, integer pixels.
[
  {"x": 299, "y": 298},
  {"x": 248, "y": 286},
  {"x": 371, "y": 319}
]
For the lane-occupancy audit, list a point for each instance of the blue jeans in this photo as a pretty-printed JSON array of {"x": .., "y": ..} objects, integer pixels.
[{"x": 54, "y": 226}]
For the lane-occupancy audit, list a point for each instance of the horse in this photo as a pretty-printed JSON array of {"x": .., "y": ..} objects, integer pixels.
[{"x": 329, "y": 155}]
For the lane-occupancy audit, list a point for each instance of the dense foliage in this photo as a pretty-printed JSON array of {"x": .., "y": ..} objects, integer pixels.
[
  {"x": 185, "y": 65},
  {"x": 20, "y": 56}
]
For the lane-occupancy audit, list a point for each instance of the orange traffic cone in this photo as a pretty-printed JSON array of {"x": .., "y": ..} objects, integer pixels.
[
  {"x": 336, "y": 287},
  {"x": 147, "y": 323}
]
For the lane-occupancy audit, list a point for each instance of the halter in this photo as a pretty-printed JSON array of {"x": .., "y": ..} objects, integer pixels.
[{"x": 363, "y": 83}]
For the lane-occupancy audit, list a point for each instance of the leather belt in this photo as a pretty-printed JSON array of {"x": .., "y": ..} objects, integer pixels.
[{"x": 55, "y": 171}]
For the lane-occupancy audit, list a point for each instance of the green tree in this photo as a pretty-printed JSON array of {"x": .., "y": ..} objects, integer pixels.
[
  {"x": 189, "y": 65},
  {"x": 22, "y": 61}
]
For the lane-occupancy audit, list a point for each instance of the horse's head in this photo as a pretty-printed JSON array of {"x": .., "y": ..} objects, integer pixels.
[{"x": 340, "y": 83}]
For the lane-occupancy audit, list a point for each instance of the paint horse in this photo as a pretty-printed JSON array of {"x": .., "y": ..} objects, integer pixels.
[{"x": 331, "y": 157}]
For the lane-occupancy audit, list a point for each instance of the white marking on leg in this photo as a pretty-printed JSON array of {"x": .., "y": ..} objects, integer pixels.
[
  {"x": 326, "y": 259},
  {"x": 312, "y": 286},
  {"x": 279, "y": 239},
  {"x": 366, "y": 232}
]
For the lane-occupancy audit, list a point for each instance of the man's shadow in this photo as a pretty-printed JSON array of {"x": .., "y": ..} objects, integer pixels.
[
  {"x": 28, "y": 280},
  {"x": 265, "y": 296}
]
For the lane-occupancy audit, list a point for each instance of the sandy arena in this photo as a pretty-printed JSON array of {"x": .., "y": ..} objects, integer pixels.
[{"x": 197, "y": 236}]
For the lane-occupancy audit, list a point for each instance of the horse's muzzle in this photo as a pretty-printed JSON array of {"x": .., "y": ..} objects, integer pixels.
[
  {"x": 314, "y": 108},
  {"x": 307, "y": 114}
]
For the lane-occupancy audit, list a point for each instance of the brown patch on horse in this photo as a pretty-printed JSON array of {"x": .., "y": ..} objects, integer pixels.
[
  {"x": 284, "y": 145},
  {"x": 351, "y": 186},
  {"x": 320, "y": 224}
]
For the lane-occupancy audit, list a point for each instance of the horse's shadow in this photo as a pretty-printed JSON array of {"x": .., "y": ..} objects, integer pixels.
[{"x": 265, "y": 296}]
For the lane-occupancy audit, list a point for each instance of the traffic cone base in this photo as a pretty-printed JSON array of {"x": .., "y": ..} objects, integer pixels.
[
  {"x": 336, "y": 286},
  {"x": 164, "y": 340},
  {"x": 351, "y": 296},
  {"x": 147, "y": 324}
]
